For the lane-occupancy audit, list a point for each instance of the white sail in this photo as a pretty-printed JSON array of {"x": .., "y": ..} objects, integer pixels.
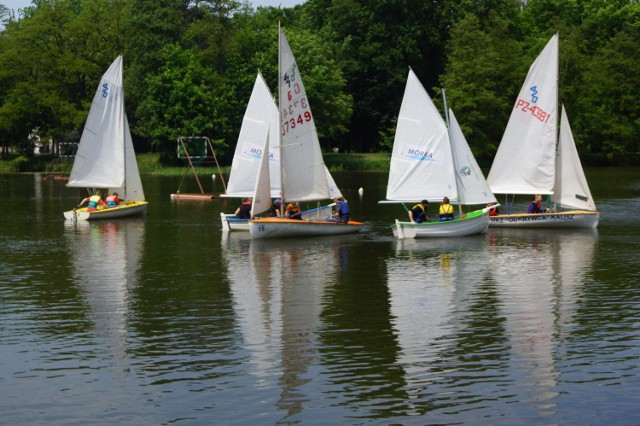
[
  {"x": 472, "y": 186},
  {"x": 132, "y": 189},
  {"x": 421, "y": 162},
  {"x": 99, "y": 162},
  {"x": 304, "y": 176},
  {"x": 525, "y": 161},
  {"x": 572, "y": 190},
  {"x": 261, "y": 110},
  {"x": 262, "y": 193},
  {"x": 334, "y": 191}
]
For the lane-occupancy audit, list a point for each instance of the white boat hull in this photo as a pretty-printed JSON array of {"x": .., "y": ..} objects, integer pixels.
[
  {"x": 232, "y": 223},
  {"x": 568, "y": 219},
  {"x": 473, "y": 224},
  {"x": 128, "y": 209},
  {"x": 282, "y": 228}
]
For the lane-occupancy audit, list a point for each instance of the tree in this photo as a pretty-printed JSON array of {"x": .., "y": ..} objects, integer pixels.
[
  {"x": 483, "y": 74},
  {"x": 607, "y": 110},
  {"x": 182, "y": 100},
  {"x": 52, "y": 61}
]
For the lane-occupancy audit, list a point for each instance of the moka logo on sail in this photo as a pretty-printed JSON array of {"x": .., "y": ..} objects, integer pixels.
[
  {"x": 255, "y": 152},
  {"x": 418, "y": 154}
]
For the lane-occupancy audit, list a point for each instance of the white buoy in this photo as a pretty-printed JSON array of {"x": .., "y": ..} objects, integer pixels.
[{"x": 360, "y": 191}]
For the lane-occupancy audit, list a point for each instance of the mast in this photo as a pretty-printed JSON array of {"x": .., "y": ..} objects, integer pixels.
[
  {"x": 455, "y": 169},
  {"x": 555, "y": 171},
  {"x": 124, "y": 128},
  {"x": 280, "y": 119}
]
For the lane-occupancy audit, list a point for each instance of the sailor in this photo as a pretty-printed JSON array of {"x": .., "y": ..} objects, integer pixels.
[
  {"x": 93, "y": 201},
  {"x": 244, "y": 211},
  {"x": 535, "y": 207},
  {"x": 293, "y": 211},
  {"x": 418, "y": 213},
  {"x": 113, "y": 200},
  {"x": 446, "y": 210},
  {"x": 341, "y": 214}
]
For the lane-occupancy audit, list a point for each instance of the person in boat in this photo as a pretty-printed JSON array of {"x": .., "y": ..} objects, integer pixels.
[
  {"x": 113, "y": 200},
  {"x": 274, "y": 211},
  {"x": 494, "y": 211},
  {"x": 446, "y": 210},
  {"x": 341, "y": 214},
  {"x": 244, "y": 211},
  {"x": 293, "y": 211},
  {"x": 418, "y": 213},
  {"x": 93, "y": 202},
  {"x": 535, "y": 207}
]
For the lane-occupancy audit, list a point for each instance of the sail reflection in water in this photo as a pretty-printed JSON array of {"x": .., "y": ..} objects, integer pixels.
[
  {"x": 277, "y": 287},
  {"x": 106, "y": 260},
  {"x": 428, "y": 287},
  {"x": 539, "y": 278},
  {"x": 457, "y": 307}
]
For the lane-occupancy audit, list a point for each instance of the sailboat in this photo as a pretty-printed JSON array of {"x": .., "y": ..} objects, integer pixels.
[
  {"x": 528, "y": 160},
  {"x": 303, "y": 174},
  {"x": 430, "y": 161},
  {"x": 105, "y": 157},
  {"x": 260, "y": 113}
]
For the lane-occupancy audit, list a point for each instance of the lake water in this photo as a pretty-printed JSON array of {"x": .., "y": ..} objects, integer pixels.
[{"x": 165, "y": 320}]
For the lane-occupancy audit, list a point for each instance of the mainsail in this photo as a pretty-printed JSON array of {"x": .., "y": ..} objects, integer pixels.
[
  {"x": 421, "y": 161},
  {"x": 304, "y": 176},
  {"x": 531, "y": 132},
  {"x": 261, "y": 111},
  {"x": 105, "y": 157}
]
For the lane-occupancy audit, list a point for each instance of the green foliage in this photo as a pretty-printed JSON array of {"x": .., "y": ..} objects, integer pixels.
[
  {"x": 190, "y": 66},
  {"x": 182, "y": 100}
]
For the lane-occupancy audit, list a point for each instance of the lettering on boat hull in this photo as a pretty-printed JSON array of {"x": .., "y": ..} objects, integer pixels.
[{"x": 546, "y": 220}]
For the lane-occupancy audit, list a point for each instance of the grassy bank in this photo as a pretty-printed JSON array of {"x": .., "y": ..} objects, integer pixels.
[{"x": 149, "y": 164}]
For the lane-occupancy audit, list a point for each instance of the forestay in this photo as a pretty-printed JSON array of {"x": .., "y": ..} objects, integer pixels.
[
  {"x": 472, "y": 186},
  {"x": 262, "y": 194},
  {"x": 572, "y": 190}
]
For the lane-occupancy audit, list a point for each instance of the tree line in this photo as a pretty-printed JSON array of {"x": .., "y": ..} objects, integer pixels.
[{"x": 190, "y": 66}]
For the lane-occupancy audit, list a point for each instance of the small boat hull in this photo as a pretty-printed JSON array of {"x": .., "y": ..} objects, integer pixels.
[
  {"x": 232, "y": 223},
  {"x": 567, "y": 219},
  {"x": 472, "y": 223},
  {"x": 127, "y": 209},
  {"x": 282, "y": 228}
]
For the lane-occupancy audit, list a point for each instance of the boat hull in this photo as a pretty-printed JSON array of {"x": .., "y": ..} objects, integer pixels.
[
  {"x": 282, "y": 228},
  {"x": 194, "y": 197},
  {"x": 473, "y": 223},
  {"x": 128, "y": 209},
  {"x": 232, "y": 223},
  {"x": 568, "y": 219}
]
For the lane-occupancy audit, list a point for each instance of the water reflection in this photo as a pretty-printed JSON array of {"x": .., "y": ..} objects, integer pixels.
[
  {"x": 105, "y": 263},
  {"x": 490, "y": 312},
  {"x": 539, "y": 278},
  {"x": 278, "y": 291},
  {"x": 429, "y": 284}
]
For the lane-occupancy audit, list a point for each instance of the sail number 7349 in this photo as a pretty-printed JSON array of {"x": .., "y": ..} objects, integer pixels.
[{"x": 295, "y": 114}]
